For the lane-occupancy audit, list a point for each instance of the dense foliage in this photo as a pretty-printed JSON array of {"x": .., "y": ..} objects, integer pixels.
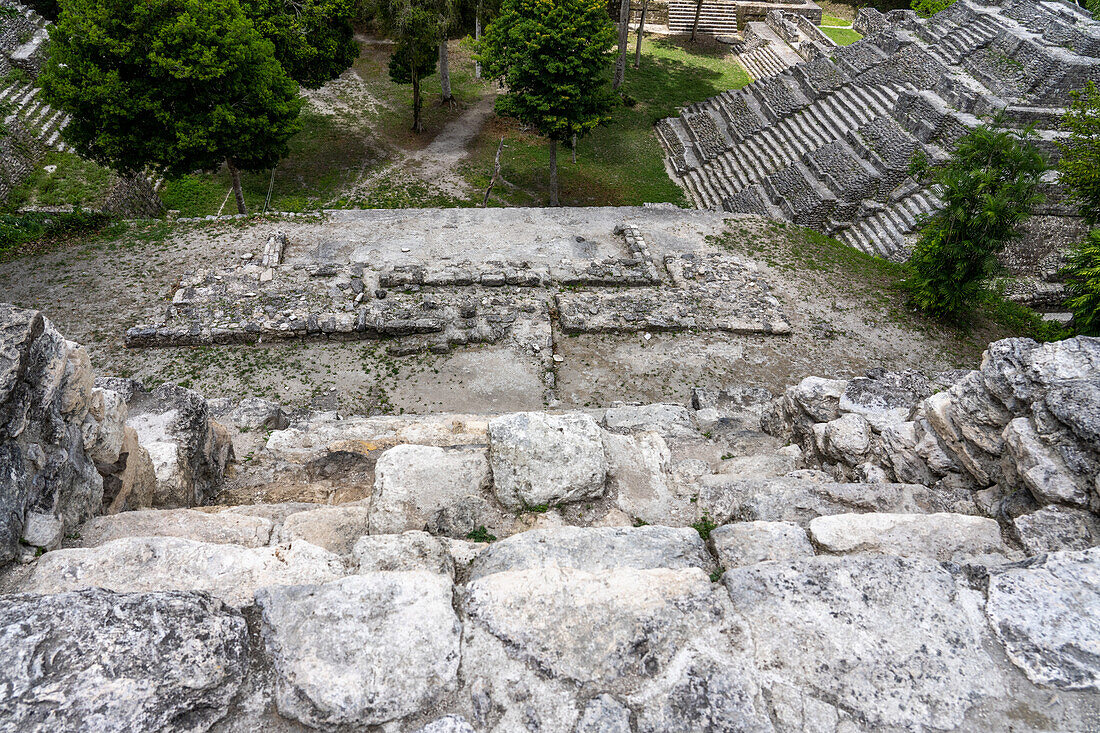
[
  {"x": 1082, "y": 275},
  {"x": 1079, "y": 166},
  {"x": 417, "y": 27},
  {"x": 989, "y": 188},
  {"x": 17, "y": 229},
  {"x": 314, "y": 40},
  {"x": 928, "y": 8},
  {"x": 177, "y": 85},
  {"x": 554, "y": 56}
]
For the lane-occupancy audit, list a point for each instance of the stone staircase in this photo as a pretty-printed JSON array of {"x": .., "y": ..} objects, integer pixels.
[
  {"x": 42, "y": 121},
  {"x": 827, "y": 143},
  {"x": 732, "y": 564},
  {"x": 19, "y": 64}
]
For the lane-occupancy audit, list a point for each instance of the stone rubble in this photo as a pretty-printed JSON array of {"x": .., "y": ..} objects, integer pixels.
[{"x": 634, "y": 568}]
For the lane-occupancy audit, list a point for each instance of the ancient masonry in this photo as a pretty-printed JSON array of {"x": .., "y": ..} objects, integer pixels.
[
  {"x": 730, "y": 16},
  {"x": 435, "y": 306},
  {"x": 827, "y": 143},
  {"x": 895, "y": 553}
]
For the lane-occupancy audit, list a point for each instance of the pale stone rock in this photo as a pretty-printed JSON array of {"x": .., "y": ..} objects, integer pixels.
[
  {"x": 412, "y": 550},
  {"x": 276, "y": 513},
  {"x": 448, "y": 724},
  {"x": 103, "y": 661},
  {"x": 840, "y": 626},
  {"x": 363, "y": 650},
  {"x": 1055, "y": 528},
  {"x": 614, "y": 518},
  {"x": 798, "y": 498},
  {"x": 639, "y": 476},
  {"x": 415, "y": 482},
  {"x": 135, "y": 486},
  {"x": 335, "y": 528},
  {"x": 669, "y": 421},
  {"x": 847, "y": 439},
  {"x": 761, "y": 465},
  {"x": 1047, "y": 614},
  {"x": 604, "y": 714},
  {"x": 227, "y": 529},
  {"x": 459, "y": 518},
  {"x": 141, "y": 564},
  {"x": 941, "y": 536},
  {"x": 702, "y": 694},
  {"x": 884, "y": 398},
  {"x": 746, "y": 543},
  {"x": 1041, "y": 469},
  {"x": 107, "y": 413},
  {"x": 254, "y": 413},
  {"x": 546, "y": 459},
  {"x": 463, "y": 552},
  {"x": 595, "y": 549},
  {"x": 42, "y": 530}
]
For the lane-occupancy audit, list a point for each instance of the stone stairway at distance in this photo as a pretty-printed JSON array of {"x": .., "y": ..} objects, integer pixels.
[
  {"x": 827, "y": 143},
  {"x": 20, "y": 61},
  {"x": 892, "y": 552}
]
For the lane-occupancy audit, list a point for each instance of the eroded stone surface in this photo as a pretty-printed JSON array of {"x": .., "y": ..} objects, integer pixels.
[
  {"x": 414, "y": 483},
  {"x": 1047, "y": 614},
  {"x": 139, "y": 564},
  {"x": 747, "y": 543},
  {"x": 220, "y": 528},
  {"x": 839, "y": 629},
  {"x": 363, "y": 650},
  {"x": 118, "y": 662},
  {"x": 941, "y": 536},
  {"x": 336, "y": 528},
  {"x": 539, "y": 459},
  {"x": 406, "y": 551}
]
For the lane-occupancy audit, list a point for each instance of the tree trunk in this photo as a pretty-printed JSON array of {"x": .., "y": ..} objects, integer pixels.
[
  {"x": 553, "y": 172},
  {"x": 477, "y": 37},
  {"x": 641, "y": 32},
  {"x": 574, "y": 146},
  {"x": 445, "y": 73},
  {"x": 695, "y": 25},
  {"x": 624, "y": 29},
  {"x": 416, "y": 101},
  {"x": 238, "y": 193}
]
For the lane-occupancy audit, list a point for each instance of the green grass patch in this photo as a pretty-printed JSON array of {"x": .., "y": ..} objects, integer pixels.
[
  {"x": 32, "y": 231},
  {"x": 620, "y": 163},
  {"x": 842, "y": 36},
  {"x": 834, "y": 20},
  {"x": 64, "y": 179}
]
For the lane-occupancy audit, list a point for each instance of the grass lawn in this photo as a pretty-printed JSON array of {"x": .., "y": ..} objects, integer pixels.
[
  {"x": 842, "y": 36},
  {"x": 621, "y": 163},
  {"x": 833, "y": 20},
  {"x": 63, "y": 179}
]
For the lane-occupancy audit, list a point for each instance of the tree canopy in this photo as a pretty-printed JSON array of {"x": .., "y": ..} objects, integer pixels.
[
  {"x": 417, "y": 27},
  {"x": 554, "y": 56},
  {"x": 313, "y": 39},
  {"x": 178, "y": 85}
]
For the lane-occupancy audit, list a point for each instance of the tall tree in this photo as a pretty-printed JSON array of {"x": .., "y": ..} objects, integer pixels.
[
  {"x": 446, "y": 19},
  {"x": 624, "y": 29},
  {"x": 695, "y": 23},
  {"x": 417, "y": 27},
  {"x": 989, "y": 187},
  {"x": 415, "y": 54},
  {"x": 641, "y": 32},
  {"x": 313, "y": 39},
  {"x": 554, "y": 57},
  {"x": 1079, "y": 164},
  {"x": 176, "y": 85}
]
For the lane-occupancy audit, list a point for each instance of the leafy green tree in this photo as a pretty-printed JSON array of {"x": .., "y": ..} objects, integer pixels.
[
  {"x": 555, "y": 57},
  {"x": 1079, "y": 166},
  {"x": 989, "y": 188},
  {"x": 417, "y": 27},
  {"x": 176, "y": 85},
  {"x": 313, "y": 39},
  {"x": 1082, "y": 275},
  {"x": 928, "y": 8}
]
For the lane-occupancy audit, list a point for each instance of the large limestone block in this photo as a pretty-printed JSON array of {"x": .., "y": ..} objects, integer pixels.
[
  {"x": 639, "y": 473},
  {"x": 546, "y": 459},
  {"x": 414, "y": 483},
  {"x": 364, "y": 650},
  {"x": 335, "y": 528},
  {"x": 652, "y": 639},
  {"x": 747, "y": 543},
  {"x": 221, "y": 529},
  {"x": 884, "y": 398},
  {"x": 1055, "y": 528},
  {"x": 407, "y": 551},
  {"x": 46, "y": 389},
  {"x": 104, "y": 426},
  {"x": 668, "y": 420},
  {"x": 892, "y": 641},
  {"x": 140, "y": 564},
  {"x": 134, "y": 486},
  {"x": 1040, "y": 467},
  {"x": 596, "y": 549},
  {"x": 108, "y": 662},
  {"x": 942, "y": 536},
  {"x": 800, "y": 499},
  {"x": 1047, "y": 614}
]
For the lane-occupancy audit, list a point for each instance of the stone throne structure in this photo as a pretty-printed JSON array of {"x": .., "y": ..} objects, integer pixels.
[{"x": 827, "y": 143}]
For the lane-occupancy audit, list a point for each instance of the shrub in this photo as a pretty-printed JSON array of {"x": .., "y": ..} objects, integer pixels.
[
  {"x": 17, "y": 229},
  {"x": 1082, "y": 274},
  {"x": 928, "y": 8},
  {"x": 1079, "y": 164},
  {"x": 988, "y": 188}
]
